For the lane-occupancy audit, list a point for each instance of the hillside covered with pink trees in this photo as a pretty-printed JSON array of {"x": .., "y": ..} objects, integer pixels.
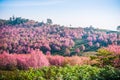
[
  {"x": 31, "y": 50},
  {"x": 19, "y": 35}
]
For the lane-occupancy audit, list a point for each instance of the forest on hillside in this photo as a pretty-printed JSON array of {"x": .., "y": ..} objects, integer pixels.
[
  {"x": 19, "y": 35},
  {"x": 46, "y": 51}
]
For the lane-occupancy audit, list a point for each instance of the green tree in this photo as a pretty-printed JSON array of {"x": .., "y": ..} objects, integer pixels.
[
  {"x": 118, "y": 28},
  {"x": 49, "y": 21}
]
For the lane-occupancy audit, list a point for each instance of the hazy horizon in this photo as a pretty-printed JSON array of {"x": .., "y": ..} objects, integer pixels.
[{"x": 103, "y": 14}]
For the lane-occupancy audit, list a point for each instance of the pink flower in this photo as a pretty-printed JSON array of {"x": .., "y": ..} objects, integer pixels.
[
  {"x": 48, "y": 53},
  {"x": 89, "y": 38},
  {"x": 97, "y": 44},
  {"x": 90, "y": 43},
  {"x": 77, "y": 50}
]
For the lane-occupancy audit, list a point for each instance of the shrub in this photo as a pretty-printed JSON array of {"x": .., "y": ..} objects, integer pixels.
[
  {"x": 76, "y": 60},
  {"x": 22, "y": 61},
  {"x": 109, "y": 73},
  {"x": 7, "y": 61},
  {"x": 56, "y": 60},
  {"x": 35, "y": 59},
  {"x": 108, "y": 56},
  {"x": 84, "y": 72}
]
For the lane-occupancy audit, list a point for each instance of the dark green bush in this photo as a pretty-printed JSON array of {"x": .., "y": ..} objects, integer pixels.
[{"x": 109, "y": 73}]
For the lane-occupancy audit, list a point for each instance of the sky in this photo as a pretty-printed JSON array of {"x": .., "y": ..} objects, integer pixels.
[{"x": 103, "y": 14}]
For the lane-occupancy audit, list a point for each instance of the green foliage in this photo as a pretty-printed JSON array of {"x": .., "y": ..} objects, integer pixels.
[
  {"x": 67, "y": 72},
  {"x": 9, "y": 75},
  {"x": 83, "y": 41},
  {"x": 109, "y": 73},
  {"x": 118, "y": 28},
  {"x": 2, "y": 22},
  {"x": 15, "y": 21},
  {"x": 103, "y": 52},
  {"x": 49, "y": 21},
  {"x": 104, "y": 57}
]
